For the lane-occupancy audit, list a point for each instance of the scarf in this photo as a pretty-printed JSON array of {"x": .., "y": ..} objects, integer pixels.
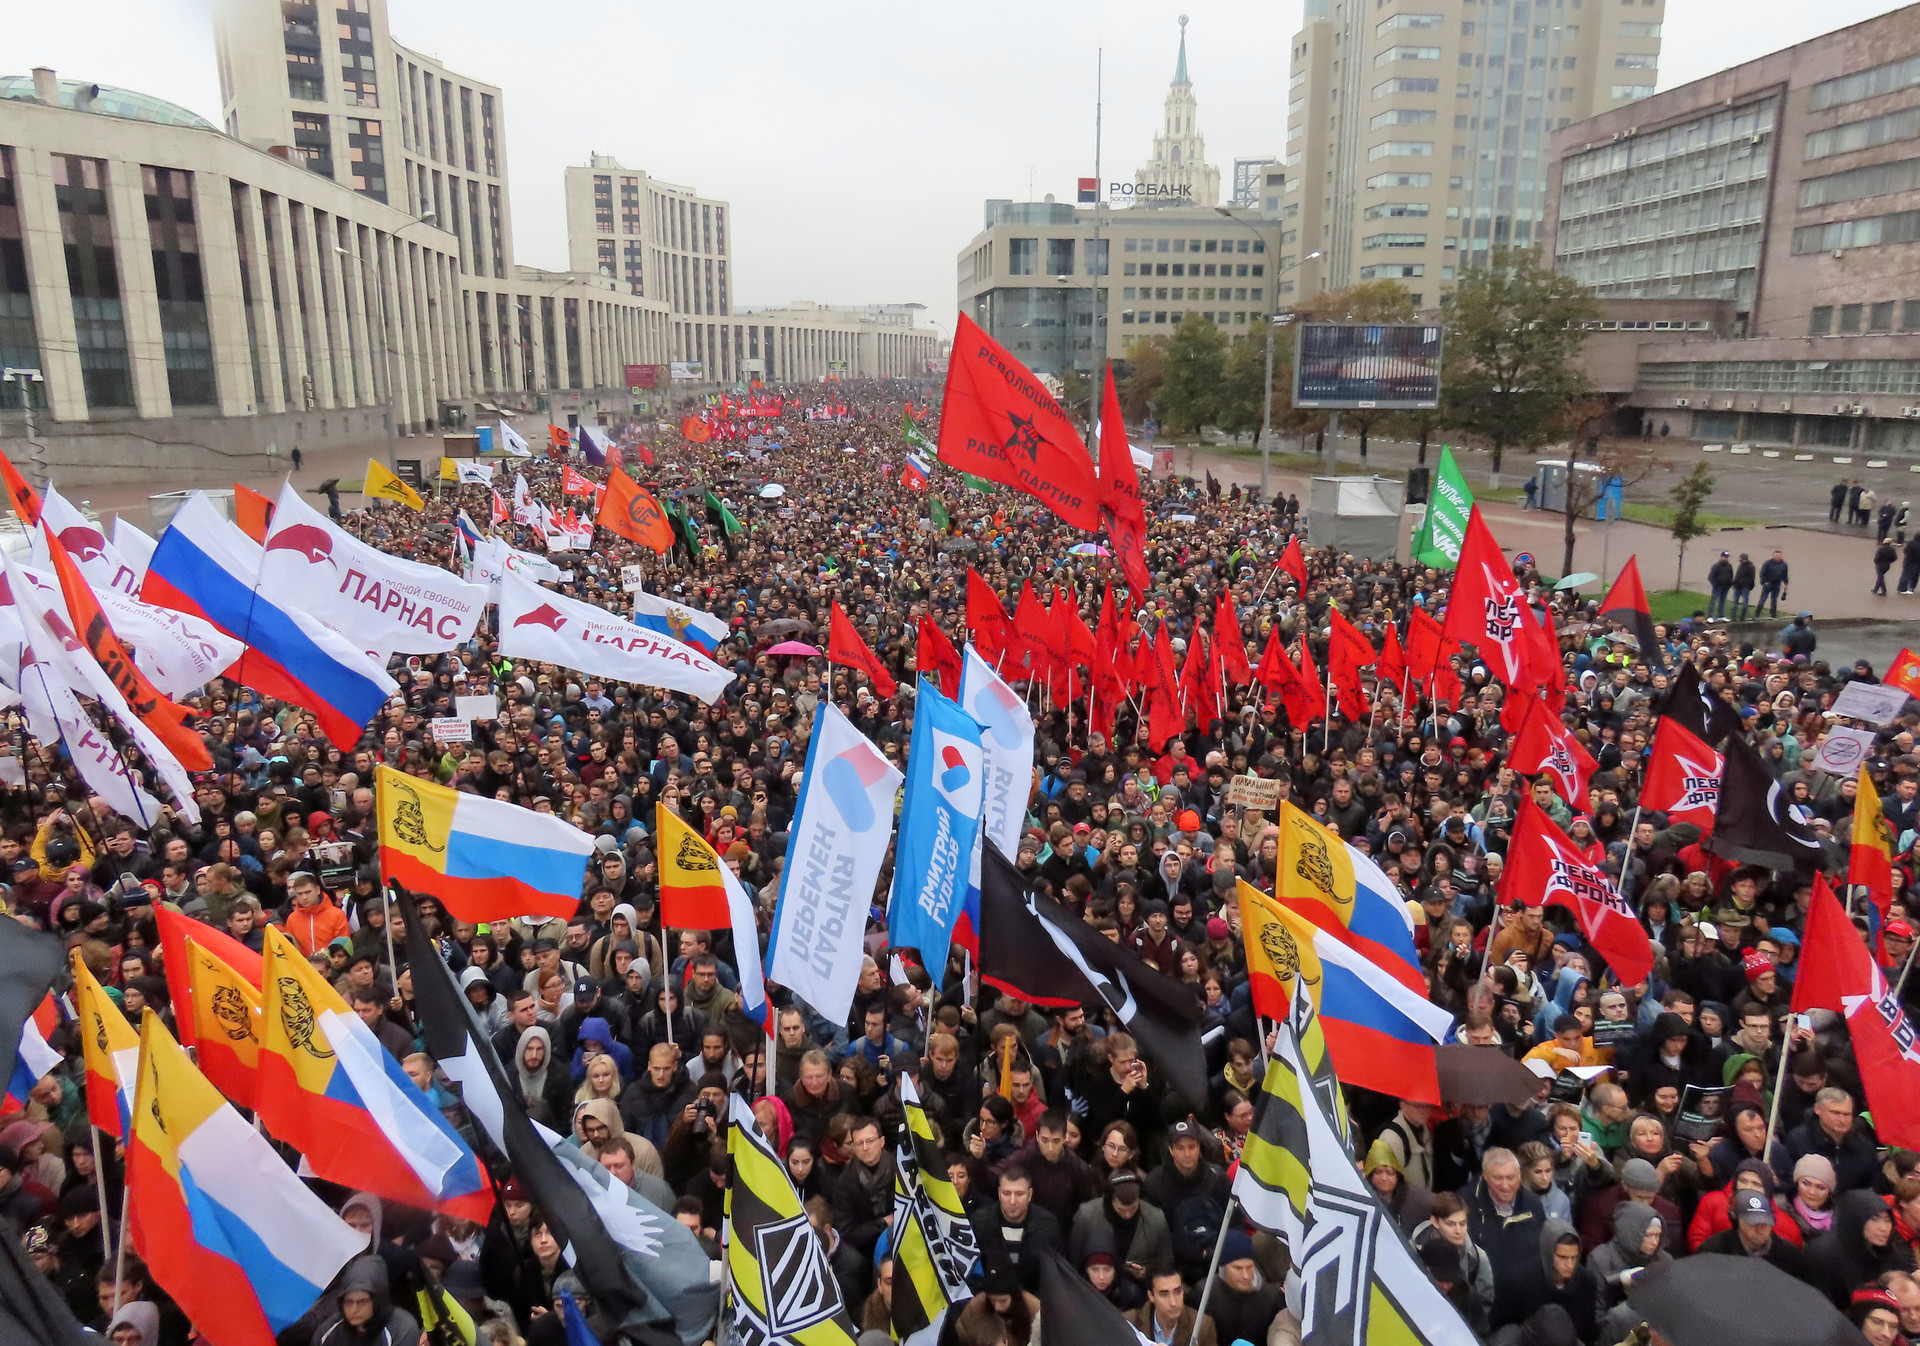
[{"x": 1817, "y": 1220}]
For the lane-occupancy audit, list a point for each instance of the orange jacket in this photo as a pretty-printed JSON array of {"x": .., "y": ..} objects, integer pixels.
[{"x": 315, "y": 927}]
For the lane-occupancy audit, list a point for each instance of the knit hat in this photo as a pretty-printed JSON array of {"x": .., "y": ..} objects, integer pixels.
[
  {"x": 1817, "y": 1167},
  {"x": 1637, "y": 1175},
  {"x": 1238, "y": 1247},
  {"x": 1755, "y": 964},
  {"x": 1187, "y": 821}
]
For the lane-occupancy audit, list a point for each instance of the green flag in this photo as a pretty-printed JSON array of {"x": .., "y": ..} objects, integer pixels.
[
  {"x": 721, "y": 517},
  {"x": 912, "y": 434},
  {"x": 938, "y": 513},
  {"x": 1445, "y": 528},
  {"x": 976, "y": 483}
]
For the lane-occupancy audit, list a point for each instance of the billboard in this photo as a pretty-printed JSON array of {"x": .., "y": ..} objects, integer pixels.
[
  {"x": 1352, "y": 365},
  {"x": 684, "y": 369},
  {"x": 643, "y": 376}
]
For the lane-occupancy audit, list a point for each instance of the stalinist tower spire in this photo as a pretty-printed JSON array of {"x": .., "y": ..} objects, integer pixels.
[{"x": 1178, "y": 173}]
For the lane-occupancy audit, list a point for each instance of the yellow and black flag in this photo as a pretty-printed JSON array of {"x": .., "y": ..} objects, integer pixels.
[
  {"x": 780, "y": 1289},
  {"x": 934, "y": 1241}
]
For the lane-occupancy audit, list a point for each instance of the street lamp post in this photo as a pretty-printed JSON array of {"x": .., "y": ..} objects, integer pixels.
[
  {"x": 386, "y": 345},
  {"x": 1273, "y": 321},
  {"x": 36, "y": 451}
]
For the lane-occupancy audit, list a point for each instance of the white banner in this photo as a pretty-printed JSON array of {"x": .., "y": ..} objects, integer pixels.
[
  {"x": 136, "y": 548},
  {"x": 510, "y": 441},
  {"x": 178, "y": 653},
  {"x": 1874, "y": 702},
  {"x": 493, "y": 560},
  {"x": 1008, "y": 742},
  {"x": 539, "y": 624},
  {"x": 447, "y": 731},
  {"x": 467, "y": 472},
  {"x": 371, "y": 598},
  {"x": 1842, "y": 750},
  {"x": 86, "y": 541},
  {"x": 835, "y": 846}
]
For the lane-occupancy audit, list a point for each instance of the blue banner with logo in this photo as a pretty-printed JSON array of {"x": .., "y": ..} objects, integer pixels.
[{"x": 939, "y": 822}]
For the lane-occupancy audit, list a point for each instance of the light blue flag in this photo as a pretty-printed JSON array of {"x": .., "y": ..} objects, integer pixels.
[
  {"x": 1007, "y": 744},
  {"x": 939, "y": 822}
]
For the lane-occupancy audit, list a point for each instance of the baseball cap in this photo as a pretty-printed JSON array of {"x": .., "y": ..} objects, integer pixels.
[
  {"x": 1184, "y": 1129},
  {"x": 1899, "y": 930},
  {"x": 1751, "y": 1207},
  {"x": 586, "y": 986}
]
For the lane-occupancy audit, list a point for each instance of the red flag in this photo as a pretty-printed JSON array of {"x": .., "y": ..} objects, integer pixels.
[
  {"x": 640, "y": 451},
  {"x": 1027, "y": 637},
  {"x": 1057, "y": 637},
  {"x": 500, "y": 513},
  {"x": 252, "y": 511},
  {"x": 1278, "y": 674},
  {"x": 1836, "y": 972},
  {"x": 1108, "y": 680},
  {"x": 986, "y": 618},
  {"x": 999, "y": 422},
  {"x": 630, "y": 510},
  {"x": 1544, "y": 867},
  {"x": 1079, "y": 636},
  {"x": 1347, "y": 653},
  {"x": 1232, "y": 644},
  {"x": 1294, "y": 563},
  {"x": 1316, "y": 690},
  {"x": 167, "y": 720},
  {"x": 1683, "y": 776},
  {"x": 1392, "y": 667},
  {"x": 1121, "y": 512},
  {"x": 574, "y": 483},
  {"x": 845, "y": 647},
  {"x": 936, "y": 658},
  {"x": 1545, "y": 745},
  {"x": 1626, "y": 603},
  {"x": 1904, "y": 673},
  {"x": 1430, "y": 657},
  {"x": 1484, "y": 609}
]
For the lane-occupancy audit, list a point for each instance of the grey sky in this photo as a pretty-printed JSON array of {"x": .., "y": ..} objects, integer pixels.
[{"x": 856, "y": 141}]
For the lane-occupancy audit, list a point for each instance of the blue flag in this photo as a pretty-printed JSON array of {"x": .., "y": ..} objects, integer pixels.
[{"x": 939, "y": 821}]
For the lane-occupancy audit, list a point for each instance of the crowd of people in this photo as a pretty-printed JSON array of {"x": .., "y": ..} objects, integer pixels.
[{"x": 1534, "y": 1220}]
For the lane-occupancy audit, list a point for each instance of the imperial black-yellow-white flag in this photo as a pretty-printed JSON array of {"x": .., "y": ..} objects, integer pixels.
[
  {"x": 934, "y": 1241},
  {"x": 1354, "y": 1280},
  {"x": 779, "y": 1288}
]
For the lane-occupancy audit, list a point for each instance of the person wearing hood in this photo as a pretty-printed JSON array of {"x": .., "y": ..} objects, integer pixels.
[
  {"x": 1858, "y": 1249},
  {"x": 667, "y": 1020},
  {"x": 1552, "y": 1277},
  {"x": 363, "y": 1313},
  {"x": 1100, "y": 1264},
  {"x": 1409, "y": 1203},
  {"x": 1635, "y": 1247},
  {"x": 484, "y": 996},
  {"x": 135, "y": 1324},
  {"x": 546, "y": 1088},
  {"x": 596, "y": 1037}
]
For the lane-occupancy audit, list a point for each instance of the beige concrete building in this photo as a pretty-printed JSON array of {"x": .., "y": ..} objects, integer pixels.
[
  {"x": 1038, "y": 277},
  {"x": 1177, "y": 173},
  {"x": 1418, "y": 130},
  {"x": 1787, "y": 190},
  {"x": 674, "y": 245},
  {"x": 179, "y": 290}
]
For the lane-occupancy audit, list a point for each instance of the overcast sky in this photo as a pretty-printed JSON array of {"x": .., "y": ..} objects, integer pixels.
[{"x": 856, "y": 141}]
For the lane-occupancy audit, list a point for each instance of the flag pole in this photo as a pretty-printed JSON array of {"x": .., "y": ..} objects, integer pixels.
[
  {"x": 1626, "y": 858},
  {"x": 1905, "y": 968},
  {"x": 666, "y": 975},
  {"x": 1213, "y": 1267},
  {"x": 106, "y": 1234},
  {"x": 120, "y": 1244},
  {"x": 1779, "y": 1087}
]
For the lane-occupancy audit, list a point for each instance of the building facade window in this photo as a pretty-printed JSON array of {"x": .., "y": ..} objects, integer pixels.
[
  {"x": 488, "y": 135},
  {"x": 179, "y": 283},
  {"x": 366, "y": 158},
  {"x": 1864, "y": 135},
  {"x": 1059, "y": 257},
  {"x": 19, "y": 346},
  {"x": 93, "y": 279},
  {"x": 1023, "y": 256},
  {"x": 359, "y": 83}
]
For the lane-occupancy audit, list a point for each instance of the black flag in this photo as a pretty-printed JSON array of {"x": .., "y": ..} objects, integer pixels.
[
  {"x": 1034, "y": 948},
  {"x": 1699, "y": 709},
  {"x": 455, "y": 1039},
  {"x": 29, "y": 962},
  {"x": 1755, "y": 824},
  {"x": 1075, "y": 1313}
]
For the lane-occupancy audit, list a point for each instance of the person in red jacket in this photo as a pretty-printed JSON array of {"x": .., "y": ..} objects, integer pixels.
[{"x": 315, "y": 921}]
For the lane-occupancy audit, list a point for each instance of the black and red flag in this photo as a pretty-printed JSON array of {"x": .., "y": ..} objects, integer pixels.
[
  {"x": 1626, "y": 603},
  {"x": 998, "y": 421}
]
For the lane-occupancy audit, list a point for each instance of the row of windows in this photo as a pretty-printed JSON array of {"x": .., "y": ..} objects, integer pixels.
[
  {"x": 1192, "y": 269},
  {"x": 1875, "y": 317},
  {"x": 1373, "y": 242},
  {"x": 1858, "y": 183},
  {"x": 1889, "y": 78},
  {"x": 1749, "y": 122},
  {"x": 1865, "y": 134},
  {"x": 1870, "y": 231},
  {"x": 1901, "y": 377},
  {"x": 1405, "y": 21},
  {"x": 1382, "y": 180},
  {"x": 1193, "y": 245},
  {"x": 1392, "y": 54},
  {"x": 1238, "y": 318},
  {"x": 1404, "y": 116},
  {"x": 1405, "y": 85},
  {"x": 1395, "y": 210},
  {"x": 1207, "y": 292},
  {"x": 1403, "y": 149}
]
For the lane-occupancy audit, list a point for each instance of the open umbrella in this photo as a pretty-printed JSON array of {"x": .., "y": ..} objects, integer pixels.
[
  {"x": 784, "y": 626},
  {"x": 1710, "y": 1299},
  {"x": 793, "y": 647},
  {"x": 1088, "y": 549},
  {"x": 1574, "y": 581},
  {"x": 773, "y": 490},
  {"x": 1483, "y": 1075}
]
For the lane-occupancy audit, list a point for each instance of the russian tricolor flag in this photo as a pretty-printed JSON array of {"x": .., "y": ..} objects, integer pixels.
[{"x": 205, "y": 566}]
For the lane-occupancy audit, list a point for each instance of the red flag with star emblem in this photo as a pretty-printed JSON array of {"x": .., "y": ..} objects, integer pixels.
[
  {"x": 1544, "y": 868},
  {"x": 1544, "y": 745},
  {"x": 1683, "y": 776},
  {"x": 998, "y": 421},
  {"x": 1484, "y": 608}
]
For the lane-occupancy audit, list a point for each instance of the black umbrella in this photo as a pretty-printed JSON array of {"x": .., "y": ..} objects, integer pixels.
[
  {"x": 1710, "y": 1299},
  {"x": 1483, "y": 1075},
  {"x": 784, "y": 626}
]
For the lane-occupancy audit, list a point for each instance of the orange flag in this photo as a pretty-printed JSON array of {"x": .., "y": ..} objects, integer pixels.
[
  {"x": 167, "y": 720},
  {"x": 631, "y": 511},
  {"x": 844, "y": 646},
  {"x": 253, "y": 512}
]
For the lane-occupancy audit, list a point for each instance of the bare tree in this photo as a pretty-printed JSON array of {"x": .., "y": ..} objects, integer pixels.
[{"x": 1628, "y": 458}]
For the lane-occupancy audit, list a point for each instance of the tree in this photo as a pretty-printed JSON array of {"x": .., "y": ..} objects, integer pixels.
[
  {"x": 1076, "y": 396},
  {"x": 1196, "y": 360},
  {"x": 1381, "y": 301},
  {"x": 1139, "y": 383},
  {"x": 1688, "y": 494},
  {"x": 1632, "y": 460},
  {"x": 1514, "y": 331}
]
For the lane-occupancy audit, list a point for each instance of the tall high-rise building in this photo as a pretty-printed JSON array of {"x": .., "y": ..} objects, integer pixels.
[
  {"x": 1178, "y": 174},
  {"x": 1418, "y": 130}
]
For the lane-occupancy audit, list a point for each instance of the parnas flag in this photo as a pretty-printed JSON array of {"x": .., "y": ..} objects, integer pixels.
[
  {"x": 538, "y": 624},
  {"x": 939, "y": 823}
]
